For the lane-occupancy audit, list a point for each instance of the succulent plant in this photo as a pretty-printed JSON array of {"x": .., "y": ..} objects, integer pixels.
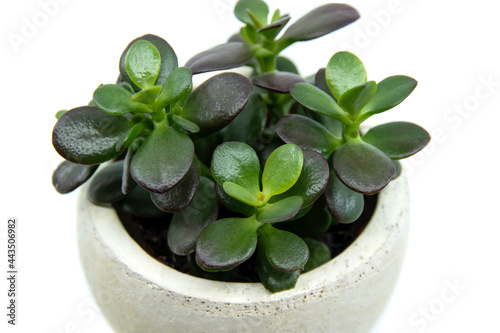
[{"x": 240, "y": 167}]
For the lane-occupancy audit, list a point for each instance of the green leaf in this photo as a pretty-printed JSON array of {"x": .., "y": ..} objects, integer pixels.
[
  {"x": 282, "y": 170},
  {"x": 356, "y": 98},
  {"x": 168, "y": 59},
  {"x": 227, "y": 243},
  {"x": 344, "y": 204},
  {"x": 125, "y": 85},
  {"x": 178, "y": 84},
  {"x": 106, "y": 185},
  {"x": 162, "y": 160},
  {"x": 398, "y": 139},
  {"x": 273, "y": 279},
  {"x": 344, "y": 72},
  {"x": 319, "y": 22},
  {"x": 284, "y": 250},
  {"x": 233, "y": 204},
  {"x": 317, "y": 100},
  {"x": 186, "y": 227},
  {"x": 138, "y": 203},
  {"x": 282, "y": 210},
  {"x": 205, "y": 147},
  {"x": 319, "y": 254},
  {"x": 178, "y": 198},
  {"x": 126, "y": 140},
  {"x": 281, "y": 82},
  {"x": 312, "y": 181},
  {"x": 238, "y": 163},
  {"x": 60, "y": 113},
  {"x": 217, "y": 101},
  {"x": 258, "y": 8},
  {"x": 185, "y": 124},
  {"x": 272, "y": 30},
  {"x": 390, "y": 92},
  {"x": 239, "y": 193},
  {"x": 87, "y": 135},
  {"x": 225, "y": 56},
  {"x": 307, "y": 134},
  {"x": 142, "y": 63},
  {"x": 146, "y": 96},
  {"x": 362, "y": 167},
  {"x": 399, "y": 169},
  {"x": 128, "y": 182},
  {"x": 69, "y": 176},
  {"x": 116, "y": 100},
  {"x": 283, "y": 64}
]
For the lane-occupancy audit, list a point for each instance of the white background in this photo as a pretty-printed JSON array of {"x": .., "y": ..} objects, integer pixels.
[{"x": 450, "y": 47}]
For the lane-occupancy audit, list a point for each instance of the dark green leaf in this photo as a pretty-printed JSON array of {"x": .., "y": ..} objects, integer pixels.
[
  {"x": 128, "y": 182},
  {"x": 146, "y": 96},
  {"x": 205, "y": 147},
  {"x": 344, "y": 72},
  {"x": 284, "y": 250},
  {"x": 126, "y": 85},
  {"x": 398, "y": 139},
  {"x": 362, "y": 167},
  {"x": 106, "y": 185},
  {"x": 178, "y": 198},
  {"x": 217, "y": 101},
  {"x": 227, "y": 243},
  {"x": 281, "y": 82},
  {"x": 258, "y": 8},
  {"x": 69, "y": 176},
  {"x": 313, "y": 224},
  {"x": 284, "y": 64},
  {"x": 399, "y": 169},
  {"x": 273, "y": 279},
  {"x": 318, "y": 22},
  {"x": 282, "y": 210},
  {"x": 162, "y": 160},
  {"x": 241, "y": 194},
  {"x": 233, "y": 204},
  {"x": 272, "y": 30},
  {"x": 238, "y": 163},
  {"x": 312, "y": 181},
  {"x": 320, "y": 81},
  {"x": 317, "y": 100},
  {"x": 168, "y": 59},
  {"x": 138, "y": 203},
  {"x": 356, "y": 98},
  {"x": 186, "y": 227},
  {"x": 319, "y": 254},
  {"x": 307, "y": 134},
  {"x": 87, "y": 135},
  {"x": 178, "y": 84},
  {"x": 185, "y": 124},
  {"x": 126, "y": 140},
  {"x": 344, "y": 204},
  {"x": 220, "y": 57},
  {"x": 142, "y": 63},
  {"x": 116, "y": 100},
  {"x": 282, "y": 170}
]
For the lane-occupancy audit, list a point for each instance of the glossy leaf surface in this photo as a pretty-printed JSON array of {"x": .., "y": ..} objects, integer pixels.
[
  {"x": 356, "y": 98},
  {"x": 283, "y": 64},
  {"x": 313, "y": 224},
  {"x": 138, "y": 203},
  {"x": 177, "y": 85},
  {"x": 281, "y": 82},
  {"x": 116, "y": 100},
  {"x": 186, "y": 125},
  {"x": 69, "y": 176},
  {"x": 319, "y": 254},
  {"x": 87, "y": 135},
  {"x": 225, "y": 56},
  {"x": 282, "y": 210},
  {"x": 241, "y": 194},
  {"x": 256, "y": 7},
  {"x": 272, "y": 278},
  {"x": 362, "y": 167},
  {"x": 231, "y": 203},
  {"x": 282, "y": 170},
  {"x": 153, "y": 166},
  {"x": 344, "y": 204},
  {"x": 106, "y": 185},
  {"x": 272, "y": 30},
  {"x": 344, "y": 72},
  {"x": 146, "y": 96},
  {"x": 142, "y": 63}
]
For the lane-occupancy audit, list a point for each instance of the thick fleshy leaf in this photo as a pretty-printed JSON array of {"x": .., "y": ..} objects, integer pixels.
[
  {"x": 69, "y": 176},
  {"x": 115, "y": 100},
  {"x": 282, "y": 170},
  {"x": 307, "y": 134},
  {"x": 60, "y": 113},
  {"x": 344, "y": 72},
  {"x": 283, "y": 64},
  {"x": 390, "y": 92},
  {"x": 227, "y": 243},
  {"x": 205, "y": 147},
  {"x": 146, "y": 96},
  {"x": 238, "y": 163},
  {"x": 281, "y": 82},
  {"x": 399, "y": 169},
  {"x": 168, "y": 59},
  {"x": 126, "y": 140},
  {"x": 317, "y": 100},
  {"x": 106, "y": 185},
  {"x": 312, "y": 181},
  {"x": 162, "y": 160},
  {"x": 239, "y": 193},
  {"x": 344, "y": 204},
  {"x": 138, "y": 203},
  {"x": 87, "y": 135},
  {"x": 186, "y": 125},
  {"x": 231, "y": 203},
  {"x": 273, "y": 279},
  {"x": 355, "y": 99},
  {"x": 178, "y": 84},
  {"x": 362, "y": 167},
  {"x": 319, "y": 22},
  {"x": 186, "y": 227},
  {"x": 142, "y": 63},
  {"x": 128, "y": 183},
  {"x": 282, "y": 210},
  {"x": 178, "y": 198},
  {"x": 217, "y": 101},
  {"x": 320, "y": 81},
  {"x": 398, "y": 139},
  {"x": 257, "y": 7},
  {"x": 220, "y": 57},
  {"x": 235, "y": 38},
  {"x": 284, "y": 250},
  {"x": 248, "y": 125},
  {"x": 272, "y": 30},
  {"x": 319, "y": 254}
]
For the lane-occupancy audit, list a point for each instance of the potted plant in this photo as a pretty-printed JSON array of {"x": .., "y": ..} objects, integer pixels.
[{"x": 240, "y": 179}]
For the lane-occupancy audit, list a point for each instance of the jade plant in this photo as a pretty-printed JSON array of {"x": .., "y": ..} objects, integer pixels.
[{"x": 241, "y": 169}]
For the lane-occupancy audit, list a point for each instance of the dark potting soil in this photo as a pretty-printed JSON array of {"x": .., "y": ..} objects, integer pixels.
[{"x": 151, "y": 235}]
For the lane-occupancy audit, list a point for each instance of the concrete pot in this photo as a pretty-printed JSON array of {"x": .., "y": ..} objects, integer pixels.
[{"x": 136, "y": 293}]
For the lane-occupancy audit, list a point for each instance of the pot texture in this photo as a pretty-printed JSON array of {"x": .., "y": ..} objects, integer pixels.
[{"x": 136, "y": 293}]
